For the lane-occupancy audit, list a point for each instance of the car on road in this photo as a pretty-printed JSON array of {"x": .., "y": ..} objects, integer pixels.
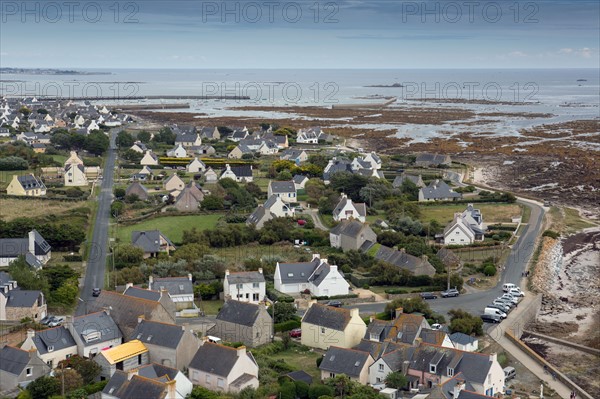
[
  {"x": 96, "y": 292},
  {"x": 57, "y": 321},
  {"x": 510, "y": 298},
  {"x": 299, "y": 209},
  {"x": 428, "y": 295},
  {"x": 509, "y": 373},
  {"x": 501, "y": 307},
  {"x": 335, "y": 304},
  {"x": 436, "y": 326},
  {"x": 506, "y": 301},
  {"x": 296, "y": 333},
  {"x": 508, "y": 286},
  {"x": 490, "y": 318},
  {"x": 450, "y": 293}
]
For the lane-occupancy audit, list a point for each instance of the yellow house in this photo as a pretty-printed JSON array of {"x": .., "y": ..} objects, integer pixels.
[
  {"x": 27, "y": 185},
  {"x": 324, "y": 326}
]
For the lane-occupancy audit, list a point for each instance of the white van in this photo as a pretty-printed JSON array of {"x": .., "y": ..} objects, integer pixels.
[
  {"x": 516, "y": 292},
  {"x": 509, "y": 373},
  {"x": 508, "y": 286},
  {"x": 495, "y": 311},
  {"x": 213, "y": 339}
]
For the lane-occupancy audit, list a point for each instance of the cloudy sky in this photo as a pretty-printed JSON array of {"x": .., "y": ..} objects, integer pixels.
[{"x": 300, "y": 34}]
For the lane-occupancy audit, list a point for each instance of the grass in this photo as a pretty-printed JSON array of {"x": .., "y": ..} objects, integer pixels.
[
  {"x": 300, "y": 360},
  {"x": 7, "y": 175},
  {"x": 492, "y": 213},
  {"x": 237, "y": 255},
  {"x": 59, "y": 158},
  {"x": 380, "y": 289},
  {"x": 477, "y": 255},
  {"x": 13, "y": 208},
  {"x": 172, "y": 226},
  {"x": 567, "y": 220},
  {"x": 526, "y": 214},
  {"x": 210, "y": 307}
]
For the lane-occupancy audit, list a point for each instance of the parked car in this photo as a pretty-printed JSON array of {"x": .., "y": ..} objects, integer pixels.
[
  {"x": 495, "y": 311},
  {"x": 508, "y": 286},
  {"x": 516, "y": 292},
  {"x": 296, "y": 333},
  {"x": 505, "y": 301},
  {"x": 46, "y": 320},
  {"x": 510, "y": 298},
  {"x": 509, "y": 373},
  {"x": 436, "y": 326},
  {"x": 335, "y": 304},
  {"x": 500, "y": 305},
  {"x": 490, "y": 318},
  {"x": 450, "y": 293},
  {"x": 57, "y": 321},
  {"x": 96, "y": 291},
  {"x": 428, "y": 295}
]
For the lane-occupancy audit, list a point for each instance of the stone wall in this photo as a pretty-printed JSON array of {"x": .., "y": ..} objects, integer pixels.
[{"x": 34, "y": 313}]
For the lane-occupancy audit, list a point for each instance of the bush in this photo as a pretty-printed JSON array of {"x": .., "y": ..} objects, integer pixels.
[
  {"x": 13, "y": 163},
  {"x": 551, "y": 234},
  {"x": 277, "y": 296},
  {"x": 287, "y": 325},
  {"x": 489, "y": 270},
  {"x": 72, "y": 258},
  {"x": 318, "y": 390},
  {"x": 323, "y": 298}
]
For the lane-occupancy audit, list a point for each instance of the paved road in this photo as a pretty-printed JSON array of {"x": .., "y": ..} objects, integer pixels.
[
  {"x": 516, "y": 263},
  {"x": 96, "y": 265},
  {"x": 314, "y": 214}
]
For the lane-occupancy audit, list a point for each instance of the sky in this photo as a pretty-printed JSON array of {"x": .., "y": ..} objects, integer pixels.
[{"x": 300, "y": 34}]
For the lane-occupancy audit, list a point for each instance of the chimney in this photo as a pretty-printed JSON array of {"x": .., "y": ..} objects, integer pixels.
[
  {"x": 402, "y": 250},
  {"x": 31, "y": 237},
  {"x": 332, "y": 268},
  {"x": 315, "y": 256},
  {"x": 30, "y": 333},
  {"x": 241, "y": 351},
  {"x": 131, "y": 373},
  {"x": 107, "y": 310},
  {"x": 260, "y": 270},
  {"x": 190, "y": 276},
  {"x": 425, "y": 258},
  {"x": 185, "y": 326},
  {"x": 227, "y": 272},
  {"x": 68, "y": 320},
  {"x": 398, "y": 312},
  {"x": 371, "y": 318},
  {"x": 405, "y": 365},
  {"x": 141, "y": 318},
  {"x": 150, "y": 281},
  {"x": 493, "y": 357},
  {"x": 128, "y": 285},
  {"x": 460, "y": 385},
  {"x": 171, "y": 389},
  {"x": 354, "y": 312}
]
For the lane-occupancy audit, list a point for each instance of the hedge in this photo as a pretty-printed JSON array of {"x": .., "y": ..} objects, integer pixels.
[
  {"x": 321, "y": 298},
  {"x": 501, "y": 227},
  {"x": 287, "y": 325},
  {"x": 72, "y": 258},
  {"x": 275, "y": 295},
  {"x": 360, "y": 280}
]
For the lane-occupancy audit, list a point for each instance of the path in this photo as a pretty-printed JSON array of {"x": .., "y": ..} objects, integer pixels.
[
  {"x": 96, "y": 263},
  {"x": 314, "y": 214}
]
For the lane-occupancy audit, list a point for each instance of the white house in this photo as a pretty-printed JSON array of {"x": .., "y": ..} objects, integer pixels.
[
  {"x": 34, "y": 248},
  {"x": 245, "y": 286},
  {"x": 300, "y": 181},
  {"x": 464, "y": 342},
  {"x": 346, "y": 209},
  {"x": 465, "y": 228},
  {"x": 75, "y": 172},
  {"x": 317, "y": 276},
  {"x": 210, "y": 176},
  {"x": 195, "y": 166},
  {"x": 278, "y": 207},
  {"x": 241, "y": 173},
  {"x": 177, "y": 152},
  {"x": 286, "y": 190},
  {"x": 92, "y": 126},
  {"x": 308, "y": 136},
  {"x": 149, "y": 159}
]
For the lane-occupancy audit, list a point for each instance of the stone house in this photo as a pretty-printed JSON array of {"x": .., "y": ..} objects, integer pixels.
[
  {"x": 152, "y": 242},
  {"x": 243, "y": 322},
  {"x": 174, "y": 182},
  {"x": 324, "y": 326},
  {"x": 350, "y": 362},
  {"x": 53, "y": 345},
  {"x": 352, "y": 235},
  {"x": 19, "y": 367}
]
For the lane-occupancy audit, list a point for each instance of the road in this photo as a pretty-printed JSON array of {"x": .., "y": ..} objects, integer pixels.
[
  {"x": 314, "y": 214},
  {"x": 516, "y": 263},
  {"x": 96, "y": 264}
]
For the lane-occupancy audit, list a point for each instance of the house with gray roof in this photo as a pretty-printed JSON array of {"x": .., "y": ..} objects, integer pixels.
[
  {"x": 324, "y": 326},
  {"x": 247, "y": 286},
  {"x": 240, "y": 173},
  {"x": 286, "y": 190},
  {"x": 464, "y": 342},
  {"x": 432, "y": 160},
  {"x": 259, "y": 217},
  {"x": 300, "y": 181},
  {"x": 244, "y": 322},
  {"x": 94, "y": 332},
  {"x": 53, "y": 345},
  {"x": 17, "y": 304},
  {"x": 352, "y": 235},
  {"x": 438, "y": 190},
  {"x": 316, "y": 276},
  {"x": 33, "y": 245},
  {"x": 19, "y": 367},
  {"x": 350, "y": 362},
  {"x": 180, "y": 289},
  {"x": 399, "y": 258},
  {"x": 346, "y": 209},
  {"x": 152, "y": 242},
  {"x": 395, "y": 359},
  {"x": 295, "y": 155},
  {"x": 336, "y": 165},
  {"x": 210, "y": 133},
  {"x": 138, "y": 189},
  {"x": 417, "y": 180},
  {"x": 170, "y": 345},
  {"x": 223, "y": 369},
  {"x": 150, "y": 381},
  {"x": 142, "y": 293}
]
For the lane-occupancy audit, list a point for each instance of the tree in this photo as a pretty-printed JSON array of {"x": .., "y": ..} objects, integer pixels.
[
  {"x": 13, "y": 163},
  {"x": 166, "y": 136},
  {"x": 212, "y": 203},
  {"x": 43, "y": 388},
  {"x": 464, "y": 322},
  {"x": 119, "y": 192},
  {"x": 144, "y": 136},
  {"x": 28, "y": 279},
  {"x": 128, "y": 255},
  {"x": 72, "y": 379},
  {"x": 58, "y": 275},
  {"x": 202, "y": 393},
  {"x": 410, "y": 189},
  {"x": 348, "y": 183},
  {"x": 26, "y": 112},
  {"x": 302, "y": 388},
  {"x": 284, "y": 311},
  {"x": 96, "y": 142},
  {"x": 88, "y": 369},
  {"x": 341, "y": 383},
  {"x": 287, "y": 390},
  {"x": 318, "y": 390},
  {"x": 124, "y": 139},
  {"x": 396, "y": 380}
]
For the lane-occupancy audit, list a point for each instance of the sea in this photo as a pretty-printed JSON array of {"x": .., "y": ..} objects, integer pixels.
[{"x": 558, "y": 95}]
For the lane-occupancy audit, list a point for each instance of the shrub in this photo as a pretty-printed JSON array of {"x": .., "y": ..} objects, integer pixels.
[
  {"x": 489, "y": 270},
  {"x": 317, "y": 390},
  {"x": 72, "y": 258},
  {"x": 551, "y": 234},
  {"x": 287, "y": 325}
]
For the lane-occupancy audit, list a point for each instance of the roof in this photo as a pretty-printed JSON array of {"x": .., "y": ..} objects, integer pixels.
[
  {"x": 259, "y": 214},
  {"x": 175, "y": 285},
  {"x": 297, "y": 272},
  {"x": 96, "y": 322},
  {"x": 405, "y": 261},
  {"x": 242, "y": 380},
  {"x": 350, "y": 228},
  {"x": 56, "y": 338},
  {"x": 124, "y": 351},
  {"x": 156, "y": 333},
  {"x": 298, "y": 179},
  {"x": 438, "y": 189},
  {"x": 462, "y": 339},
  {"x": 142, "y": 293},
  {"x": 237, "y": 312},
  {"x": 320, "y": 273},
  {"x": 30, "y": 182},
  {"x": 5, "y": 278},
  {"x": 13, "y": 360},
  {"x": 272, "y": 200},
  {"x": 245, "y": 277},
  {"x": 137, "y": 189},
  {"x": 215, "y": 359},
  {"x": 300, "y": 375},
  {"x": 242, "y": 170},
  {"x": 327, "y": 316},
  {"x": 138, "y": 387},
  {"x": 149, "y": 240},
  {"x": 21, "y": 298},
  {"x": 282, "y": 186},
  {"x": 13, "y": 247},
  {"x": 344, "y": 361},
  {"x": 188, "y": 199},
  {"x": 361, "y": 208},
  {"x": 432, "y": 158}
]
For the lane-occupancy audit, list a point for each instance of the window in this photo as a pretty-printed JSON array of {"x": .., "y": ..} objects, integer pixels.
[
  {"x": 247, "y": 295},
  {"x": 331, "y": 375},
  {"x": 432, "y": 368},
  {"x": 220, "y": 383},
  {"x": 255, "y": 285},
  {"x": 207, "y": 379},
  {"x": 29, "y": 372},
  {"x": 450, "y": 372},
  {"x": 378, "y": 380},
  {"x": 239, "y": 286},
  {"x": 255, "y": 297},
  {"x": 50, "y": 363},
  {"x": 140, "y": 359},
  {"x": 381, "y": 367},
  {"x": 322, "y": 330}
]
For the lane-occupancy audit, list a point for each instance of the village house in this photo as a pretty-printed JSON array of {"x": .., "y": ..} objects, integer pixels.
[
  {"x": 151, "y": 381},
  {"x": 19, "y": 367},
  {"x": 189, "y": 198},
  {"x": 188, "y": 140},
  {"x": 18, "y": 304},
  {"x": 223, "y": 369},
  {"x": 438, "y": 190},
  {"x": 152, "y": 242},
  {"x": 260, "y": 216},
  {"x": 336, "y": 165},
  {"x": 180, "y": 289},
  {"x": 210, "y": 176},
  {"x": 53, "y": 345},
  {"x": 239, "y": 134},
  {"x": 139, "y": 147},
  {"x": 346, "y": 209},
  {"x": 286, "y": 190},
  {"x": 432, "y": 160},
  {"x": 34, "y": 248},
  {"x": 417, "y": 180},
  {"x": 177, "y": 152},
  {"x": 26, "y": 185},
  {"x": 300, "y": 181},
  {"x": 174, "y": 182},
  {"x": 137, "y": 189},
  {"x": 350, "y": 362},
  {"x": 149, "y": 158},
  {"x": 210, "y": 133},
  {"x": 75, "y": 172},
  {"x": 308, "y": 136},
  {"x": 295, "y": 155},
  {"x": 128, "y": 356},
  {"x": 460, "y": 232},
  {"x": 316, "y": 276},
  {"x": 272, "y": 208},
  {"x": 399, "y": 258},
  {"x": 241, "y": 173},
  {"x": 244, "y": 286},
  {"x": 324, "y": 326},
  {"x": 195, "y": 166},
  {"x": 169, "y": 345},
  {"x": 94, "y": 332},
  {"x": 352, "y": 235},
  {"x": 464, "y": 342},
  {"x": 244, "y": 322}
]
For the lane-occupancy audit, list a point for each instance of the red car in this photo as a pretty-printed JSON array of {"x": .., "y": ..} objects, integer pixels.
[{"x": 296, "y": 333}]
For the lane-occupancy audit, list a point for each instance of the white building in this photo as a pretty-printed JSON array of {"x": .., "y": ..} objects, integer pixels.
[
  {"x": 149, "y": 158},
  {"x": 346, "y": 209},
  {"x": 245, "y": 286},
  {"x": 195, "y": 166},
  {"x": 317, "y": 276},
  {"x": 286, "y": 190},
  {"x": 465, "y": 228}
]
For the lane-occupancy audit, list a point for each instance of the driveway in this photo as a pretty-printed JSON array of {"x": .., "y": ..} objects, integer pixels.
[
  {"x": 96, "y": 264},
  {"x": 314, "y": 214}
]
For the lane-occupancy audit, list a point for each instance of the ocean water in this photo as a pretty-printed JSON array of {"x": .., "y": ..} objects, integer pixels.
[{"x": 567, "y": 94}]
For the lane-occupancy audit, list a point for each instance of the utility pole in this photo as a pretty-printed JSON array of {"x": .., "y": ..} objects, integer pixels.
[{"x": 62, "y": 375}]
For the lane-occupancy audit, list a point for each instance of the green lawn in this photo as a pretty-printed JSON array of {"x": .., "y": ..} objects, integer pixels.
[
  {"x": 492, "y": 213},
  {"x": 574, "y": 222},
  {"x": 210, "y": 307},
  {"x": 59, "y": 158},
  {"x": 476, "y": 255},
  {"x": 300, "y": 360},
  {"x": 171, "y": 226}
]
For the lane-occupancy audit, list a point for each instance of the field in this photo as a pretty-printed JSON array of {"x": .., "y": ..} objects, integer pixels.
[
  {"x": 15, "y": 208},
  {"x": 210, "y": 307},
  {"x": 477, "y": 255},
  {"x": 300, "y": 360},
  {"x": 492, "y": 213},
  {"x": 6, "y": 176},
  {"x": 172, "y": 226},
  {"x": 567, "y": 220},
  {"x": 237, "y": 255}
]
